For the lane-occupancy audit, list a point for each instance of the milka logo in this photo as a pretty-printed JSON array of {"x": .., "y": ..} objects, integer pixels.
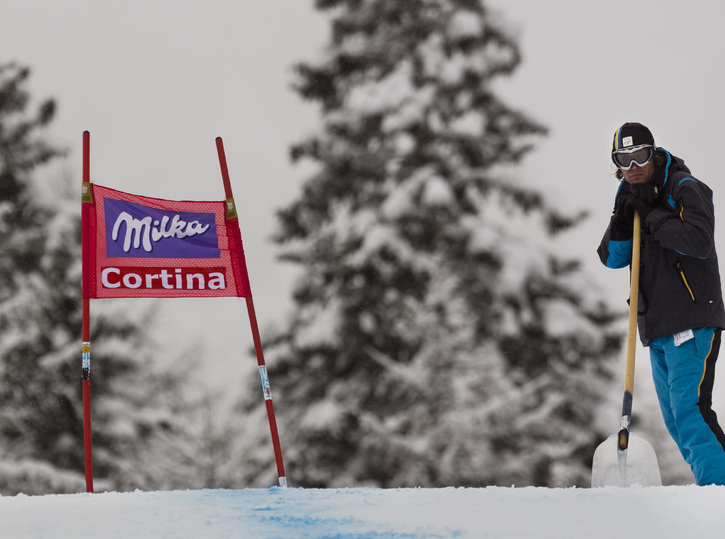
[{"x": 141, "y": 231}]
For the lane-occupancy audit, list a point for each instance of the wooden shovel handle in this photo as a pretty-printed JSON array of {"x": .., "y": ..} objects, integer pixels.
[{"x": 631, "y": 336}]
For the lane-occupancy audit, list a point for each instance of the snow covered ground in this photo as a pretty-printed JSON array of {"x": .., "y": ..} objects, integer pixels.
[{"x": 494, "y": 512}]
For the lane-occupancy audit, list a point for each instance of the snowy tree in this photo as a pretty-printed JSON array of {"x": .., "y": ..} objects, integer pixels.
[
  {"x": 204, "y": 448},
  {"x": 41, "y": 428},
  {"x": 437, "y": 337}
]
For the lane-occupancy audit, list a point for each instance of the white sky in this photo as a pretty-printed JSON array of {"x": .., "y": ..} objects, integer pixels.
[{"x": 155, "y": 81}]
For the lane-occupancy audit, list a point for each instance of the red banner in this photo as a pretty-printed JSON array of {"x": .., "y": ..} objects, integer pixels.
[{"x": 136, "y": 246}]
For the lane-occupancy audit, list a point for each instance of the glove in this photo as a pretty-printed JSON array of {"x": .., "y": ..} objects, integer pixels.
[
  {"x": 642, "y": 197},
  {"x": 646, "y": 193}
]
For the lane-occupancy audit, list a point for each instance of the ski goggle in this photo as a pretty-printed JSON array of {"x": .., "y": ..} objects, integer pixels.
[{"x": 637, "y": 155}]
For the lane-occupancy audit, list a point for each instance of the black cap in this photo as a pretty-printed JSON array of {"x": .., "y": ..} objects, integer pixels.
[{"x": 631, "y": 134}]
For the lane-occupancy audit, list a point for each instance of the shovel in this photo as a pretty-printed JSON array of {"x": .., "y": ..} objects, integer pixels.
[{"x": 625, "y": 459}]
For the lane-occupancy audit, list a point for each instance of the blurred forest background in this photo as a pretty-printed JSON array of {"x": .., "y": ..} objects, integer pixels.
[{"x": 438, "y": 336}]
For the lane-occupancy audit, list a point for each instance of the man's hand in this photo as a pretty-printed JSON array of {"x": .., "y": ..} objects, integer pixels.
[{"x": 642, "y": 197}]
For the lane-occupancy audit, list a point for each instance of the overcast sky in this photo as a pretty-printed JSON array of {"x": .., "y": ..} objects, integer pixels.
[{"x": 155, "y": 81}]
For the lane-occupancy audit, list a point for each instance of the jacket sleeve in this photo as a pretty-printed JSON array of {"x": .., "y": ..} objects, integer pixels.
[
  {"x": 615, "y": 253},
  {"x": 690, "y": 228},
  {"x": 615, "y": 249}
]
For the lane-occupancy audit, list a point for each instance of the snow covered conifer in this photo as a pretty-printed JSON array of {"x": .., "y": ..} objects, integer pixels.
[
  {"x": 437, "y": 336},
  {"x": 41, "y": 420}
]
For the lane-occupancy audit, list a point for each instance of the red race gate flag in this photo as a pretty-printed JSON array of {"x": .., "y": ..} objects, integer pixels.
[
  {"x": 136, "y": 246},
  {"x": 149, "y": 247}
]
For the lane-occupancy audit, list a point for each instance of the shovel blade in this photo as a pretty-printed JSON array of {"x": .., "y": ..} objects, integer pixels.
[{"x": 637, "y": 465}]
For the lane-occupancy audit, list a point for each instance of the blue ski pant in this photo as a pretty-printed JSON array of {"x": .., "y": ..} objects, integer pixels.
[{"x": 683, "y": 378}]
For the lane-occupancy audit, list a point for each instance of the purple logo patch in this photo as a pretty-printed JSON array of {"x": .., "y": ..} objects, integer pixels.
[{"x": 137, "y": 231}]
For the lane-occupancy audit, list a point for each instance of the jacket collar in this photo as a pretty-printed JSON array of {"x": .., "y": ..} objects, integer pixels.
[{"x": 662, "y": 174}]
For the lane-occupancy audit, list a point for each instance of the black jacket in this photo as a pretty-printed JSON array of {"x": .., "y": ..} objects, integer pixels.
[{"x": 679, "y": 276}]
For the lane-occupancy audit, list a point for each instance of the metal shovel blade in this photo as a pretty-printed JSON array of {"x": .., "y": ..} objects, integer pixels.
[{"x": 636, "y": 465}]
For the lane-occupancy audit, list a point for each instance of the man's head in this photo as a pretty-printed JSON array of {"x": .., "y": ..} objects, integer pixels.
[{"x": 633, "y": 149}]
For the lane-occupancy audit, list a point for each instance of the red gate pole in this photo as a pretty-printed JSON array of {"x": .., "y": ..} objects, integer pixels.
[
  {"x": 231, "y": 214},
  {"x": 86, "y": 202}
]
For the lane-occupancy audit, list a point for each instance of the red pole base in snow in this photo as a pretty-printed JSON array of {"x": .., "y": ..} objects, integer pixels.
[
  {"x": 267, "y": 393},
  {"x": 87, "y": 433},
  {"x": 275, "y": 444}
]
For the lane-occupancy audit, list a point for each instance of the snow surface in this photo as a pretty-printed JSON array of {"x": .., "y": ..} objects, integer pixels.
[{"x": 493, "y": 512}]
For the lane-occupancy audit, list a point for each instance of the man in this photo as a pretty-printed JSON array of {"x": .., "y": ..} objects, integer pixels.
[{"x": 681, "y": 312}]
